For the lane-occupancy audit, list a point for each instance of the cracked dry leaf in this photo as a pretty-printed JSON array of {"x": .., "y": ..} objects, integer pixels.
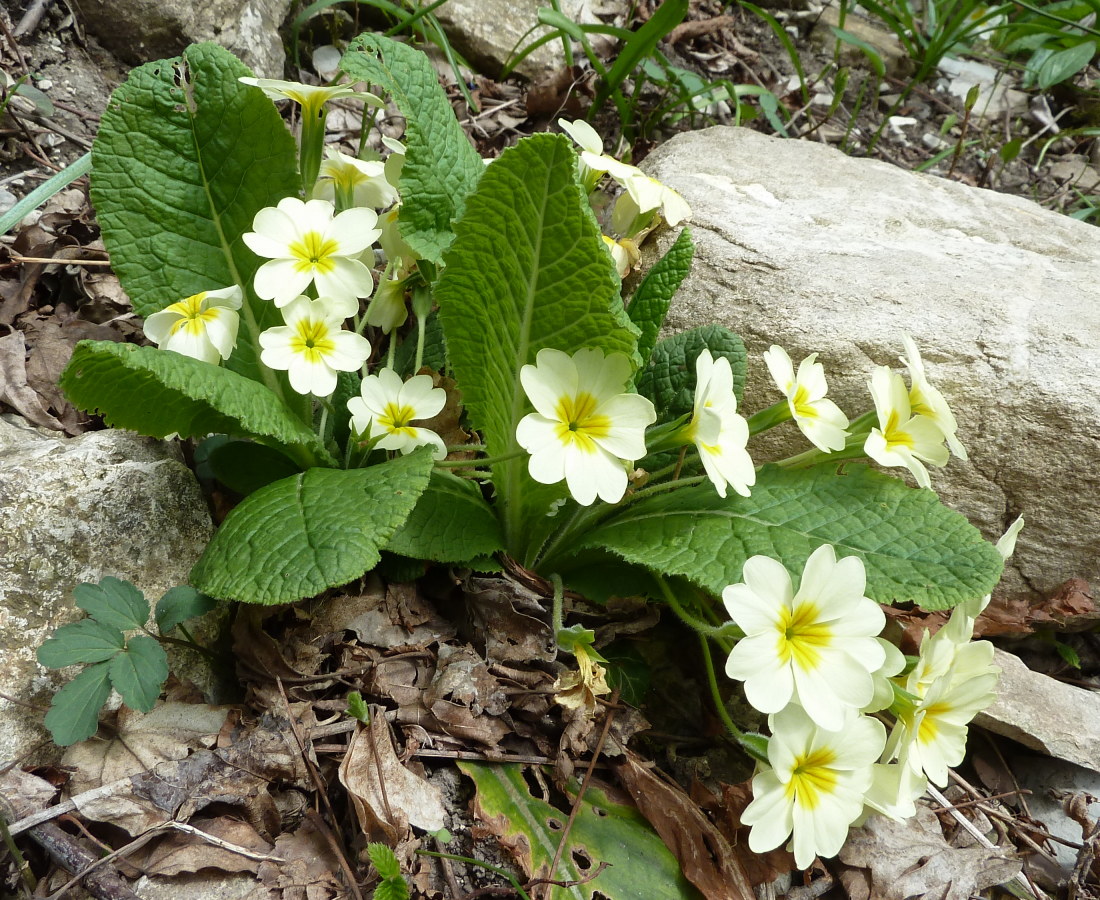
[
  {"x": 390, "y": 618},
  {"x": 387, "y": 797},
  {"x": 142, "y": 741},
  {"x": 178, "y": 852},
  {"x": 499, "y": 608},
  {"x": 309, "y": 872},
  {"x": 23, "y": 794},
  {"x": 910, "y": 859},
  {"x": 14, "y": 389}
]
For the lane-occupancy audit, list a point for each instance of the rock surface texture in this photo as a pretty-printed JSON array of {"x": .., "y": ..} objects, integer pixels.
[
  {"x": 73, "y": 510},
  {"x": 138, "y": 31},
  {"x": 487, "y": 32},
  {"x": 799, "y": 245}
]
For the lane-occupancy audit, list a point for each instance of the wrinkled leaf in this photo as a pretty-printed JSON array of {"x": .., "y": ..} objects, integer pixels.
[
  {"x": 669, "y": 380},
  {"x": 650, "y": 303},
  {"x": 451, "y": 522},
  {"x": 317, "y": 530},
  {"x": 915, "y": 549}
]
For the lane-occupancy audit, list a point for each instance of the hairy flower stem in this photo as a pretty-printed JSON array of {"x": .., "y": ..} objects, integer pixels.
[
  {"x": 720, "y": 633},
  {"x": 750, "y": 743}
]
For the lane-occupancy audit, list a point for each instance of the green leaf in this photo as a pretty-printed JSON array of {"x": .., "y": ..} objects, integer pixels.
[
  {"x": 641, "y": 44},
  {"x": 317, "y": 530},
  {"x": 650, "y": 303},
  {"x": 527, "y": 270},
  {"x": 915, "y": 549},
  {"x": 113, "y": 602},
  {"x": 1064, "y": 64},
  {"x": 185, "y": 157},
  {"x": 627, "y": 671},
  {"x": 86, "y": 641},
  {"x": 441, "y": 166},
  {"x": 395, "y": 888},
  {"x": 451, "y": 522},
  {"x": 74, "y": 712},
  {"x": 157, "y": 392},
  {"x": 139, "y": 672},
  {"x": 245, "y": 466},
  {"x": 669, "y": 381},
  {"x": 639, "y": 864},
  {"x": 384, "y": 860},
  {"x": 180, "y": 604}
]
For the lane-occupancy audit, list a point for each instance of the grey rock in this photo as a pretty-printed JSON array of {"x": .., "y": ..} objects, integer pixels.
[
  {"x": 203, "y": 886},
  {"x": 1051, "y": 781},
  {"x": 138, "y": 31},
  {"x": 487, "y": 32},
  {"x": 75, "y": 510},
  {"x": 1057, "y": 719},
  {"x": 799, "y": 245}
]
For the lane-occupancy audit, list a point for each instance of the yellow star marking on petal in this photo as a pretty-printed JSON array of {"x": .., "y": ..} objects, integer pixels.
[
  {"x": 193, "y": 317},
  {"x": 812, "y": 778},
  {"x": 314, "y": 253},
  {"x": 578, "y": 423},
  {"x": 801, "y": 636},
  {"x": 312, "y": 340}
]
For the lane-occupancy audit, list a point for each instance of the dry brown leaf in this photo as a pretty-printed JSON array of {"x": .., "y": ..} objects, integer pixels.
[
  {"x": 387, "y": 797},
  {"x": 910, "y": 859},
  {"x": 309, "y": 872},
  {"x": 14, "y": 389},
  {"x": 179, "y": 852},
  {"x": 23, "y": 794},
  {"x": 761, "y": 868},
  {"x": 506, "y": 614},
  {"x": 393, "y": 618},
  {"x": 705, "y": 856}
]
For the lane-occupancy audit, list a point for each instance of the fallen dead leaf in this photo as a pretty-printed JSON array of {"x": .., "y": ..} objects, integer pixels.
[
  {"x": 178, "y": 852},
  {"x": 911, "y": 859},
  {"x": 504, "y": 612},
  {"x": 14, "y": 389},
  {"x": 387, "y": 797},
  {"x": 309, "y": 872},
  {"x": 705, "y": 856}
]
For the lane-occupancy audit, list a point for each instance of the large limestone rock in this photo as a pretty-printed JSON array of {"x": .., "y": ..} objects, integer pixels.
[
  {"x": 802, "y": 246},
  {"x": 73, "y": 510},
  {"x": 487, "y": 32},
  {"x": 138, "y": 31}
]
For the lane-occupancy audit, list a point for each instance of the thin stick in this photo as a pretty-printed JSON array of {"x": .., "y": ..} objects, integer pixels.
[
  {"x": 608, "y": 718},
  {"x": 60, "y": 261}
]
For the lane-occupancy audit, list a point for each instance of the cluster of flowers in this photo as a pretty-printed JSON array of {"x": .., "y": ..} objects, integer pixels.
[
  {"x": 813, "y": 661},
  {"x": 587, "y": 429}
]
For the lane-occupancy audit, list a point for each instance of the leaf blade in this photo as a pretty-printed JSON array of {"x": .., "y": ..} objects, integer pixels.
[
  {"x": 914, "y": 548},
  {"x": 113, "y": 602},
  {"x": 74, "y": 711},
  {"x": 450, "y": 523},
  {"x": 304, "y": 534},
  {"x": 651, "y": 301},
  {"x": 139, "y": 672},
  {"x": 180, "y": 604},
  {"x": 86, "y": 641}
]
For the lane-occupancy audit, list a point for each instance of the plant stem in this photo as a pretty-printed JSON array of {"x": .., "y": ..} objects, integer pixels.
[
  {"x": 720, "y": 707},
  {"x": 484, "y": 865},
  {"x": 557, "y": 620},
  {"x": 478, "y": 463},
  {"x": 696, "y": 624}
]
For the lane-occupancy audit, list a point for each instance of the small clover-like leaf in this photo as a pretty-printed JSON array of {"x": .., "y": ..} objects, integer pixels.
[
  {"x": 113, "y": 602},
  {"x": 180, "y": 604},
  {"x": 74, "y": 713},
  {"x": 139, "y": 672},
  {"x": 86, "y": 641}
]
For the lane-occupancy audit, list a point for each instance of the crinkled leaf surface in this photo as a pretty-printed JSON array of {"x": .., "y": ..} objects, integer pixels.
[
  {"x": 650, "y": 303},
  {"x": 74, "y": 712},
  {"x": 113, "y": 602},
  {"x": 640, "y": 865},
  {"x": 915, "y": 549},
  {"x": 86, "y": 641},
  {"x": 441, "y": 166},
  {"x": 157, "y": 392},
  {"x": 527, "y": 270},
  {"x": 316, "y": 530},
  {"x": 450, "y": 523},
  {"x": 185, "y": 157},
  {"x": 139, "y": 672},
  {"x": 669, "y": 379}
]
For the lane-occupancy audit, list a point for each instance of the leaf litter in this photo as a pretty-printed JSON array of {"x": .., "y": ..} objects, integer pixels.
[{"x": 460, "y": 671}]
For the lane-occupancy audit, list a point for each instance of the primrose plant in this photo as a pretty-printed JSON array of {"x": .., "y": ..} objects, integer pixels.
[{"x": 426, "y": 357}]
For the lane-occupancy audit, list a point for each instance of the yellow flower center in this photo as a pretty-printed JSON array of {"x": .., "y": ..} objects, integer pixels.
[
  {"x": 312, "y": 340},
  {"x": 578, "y": 424},
  {"x": 803, "y": 408},
  {"x": 812, "y": 778},
  {"x": 929, "y": 727},
  {"x": 919, "y": 405},
  {"x": 314, "y": 253},
  {"x": 193, "y": 318},
  {"x": 802, "y": 636},
  {"x": 893, "y": 434},
  {"x": 395, "y": 419}
]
